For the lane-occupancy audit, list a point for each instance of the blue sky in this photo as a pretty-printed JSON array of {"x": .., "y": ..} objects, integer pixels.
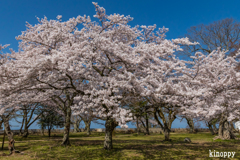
[{"x": 177, "y": 15}]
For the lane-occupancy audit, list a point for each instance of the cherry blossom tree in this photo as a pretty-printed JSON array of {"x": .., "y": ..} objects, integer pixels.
[
  {"x": 61, "y": 66},
  {"x": 213, "y": 89},
  {"x": 87, "y": 117},
  {"x": 95, "y": 67},
  {"x": 105, "y": 64},
  {"x": 41, "y": 69},
  {"x": 28, "y": 117},
  {"x": 6, "y": 114},
  {"x": 142, "y": 116},
  {"x": 76, "y": 120}
]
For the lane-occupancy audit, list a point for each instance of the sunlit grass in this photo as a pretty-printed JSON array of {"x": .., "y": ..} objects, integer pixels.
[{"x": 126, "y": 146}]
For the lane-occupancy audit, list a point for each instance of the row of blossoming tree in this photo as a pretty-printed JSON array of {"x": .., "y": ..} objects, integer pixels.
[{"x": 108, "y": 69}]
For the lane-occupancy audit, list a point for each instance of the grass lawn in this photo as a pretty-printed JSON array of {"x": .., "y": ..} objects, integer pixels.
[{"x": 126, "y": 146}]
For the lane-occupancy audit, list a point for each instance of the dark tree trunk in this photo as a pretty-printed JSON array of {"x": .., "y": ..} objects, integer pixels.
[
  {"x": 42, "y": 129},
  {"x": 1, "y": 125},
  {"x": 147, "y": 125},
  {"x": 20, "y": 131},
  {"x": 137, "y": 126},
  {"x": 49, "y": 131},
  {"x": 66, "y": 141},
  {"x": 146, "y": 128},
  {"x": 210, "y": 128},
  {"x": 4, "y": 134},
  {"x": 25, "y": 132},
  {"x": 27, "y": 122},
  {"x": 190, "y": 124},
  {"x": 109, "y": 127}
]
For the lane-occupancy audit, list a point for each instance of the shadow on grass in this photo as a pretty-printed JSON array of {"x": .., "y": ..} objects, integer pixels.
[
  {"x": 157, "y": 149},
  {"x": 127, "y": 147}
]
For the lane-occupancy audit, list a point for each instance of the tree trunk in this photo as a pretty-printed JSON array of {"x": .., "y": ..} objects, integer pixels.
[
  {"x": 227, "y": 132},
  {"x": 232, "y": 127},
  {"x": 215, "y": 128},
  {"x": 49, "y": 131},
  {"x": 87, "y": 126},
  {"x": 4, "y": 134},
  {"x": 76, "y": 127},
  {"x": 167, "y": 127},
  {"x": 224, "y": 131},
  {"x": 25, "y": 132},
  {"x": 167, "y": 123},
  {"x": 210, "y": 128},
  {"x": 75, "y": 130},
  {"x": 166, "y": 134},
  {"x": 137, "y": 127},
  {"x": 20, "y": 131},
  {"x": 42, "y": 128},
  {"x": 146, "y": 128},
  {"x": 76, "y": 124},
  {"x": 190, "y": 124},
  {"x": 109, "y": 127},
  {"x": 7, "y": 129},
  {"x": 147, "y": 125},
  {"x": 66, "y": 141},
  {"x": 220, "y": 129}
]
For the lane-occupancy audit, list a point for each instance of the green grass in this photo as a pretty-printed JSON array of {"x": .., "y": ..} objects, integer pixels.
[{"x": 126, "y": 146}]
